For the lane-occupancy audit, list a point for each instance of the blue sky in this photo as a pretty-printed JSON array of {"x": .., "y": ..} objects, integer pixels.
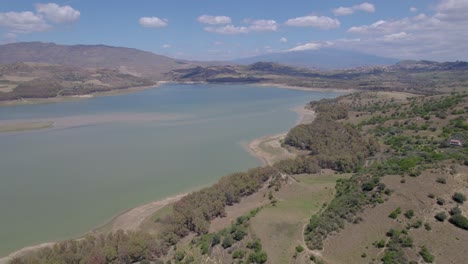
[{"x": 221, "y": 30}]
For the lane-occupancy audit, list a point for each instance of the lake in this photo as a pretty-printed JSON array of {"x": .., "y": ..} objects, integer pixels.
[{"x": 108, "y": 154}]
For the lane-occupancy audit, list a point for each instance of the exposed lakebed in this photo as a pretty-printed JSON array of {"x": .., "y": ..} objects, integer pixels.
[{"x": 107, "y": 154}]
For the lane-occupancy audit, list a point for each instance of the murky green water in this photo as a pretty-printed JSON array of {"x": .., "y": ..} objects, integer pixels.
[{"x": 59, "y": 183}]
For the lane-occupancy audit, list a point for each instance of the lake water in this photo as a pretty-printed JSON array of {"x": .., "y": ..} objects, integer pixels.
[{"x": 59, "y": 183}]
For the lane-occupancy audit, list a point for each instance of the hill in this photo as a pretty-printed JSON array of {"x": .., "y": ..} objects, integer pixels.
[
  {"x": 126, "y": 60},
  {"x": 414, "y": 76},
  {"x": 324, "y": 59},
  {"x": 40, "y": 80}
]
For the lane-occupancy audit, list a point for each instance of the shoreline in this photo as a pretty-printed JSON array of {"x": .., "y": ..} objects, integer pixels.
[
  {"x": 32, "y": 101},
  {"x": 306, "y": 89},
  {"x": 123, "y": 220},
  {"x": 273, "y": 142},
  {"x": 71, "y": 98}
]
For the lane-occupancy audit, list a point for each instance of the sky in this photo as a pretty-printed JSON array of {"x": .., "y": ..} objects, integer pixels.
[{"x": 229, "y": 29}]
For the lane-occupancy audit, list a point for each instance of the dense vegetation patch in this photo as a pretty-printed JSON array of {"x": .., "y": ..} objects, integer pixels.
[{"x": 332, "y": 144}]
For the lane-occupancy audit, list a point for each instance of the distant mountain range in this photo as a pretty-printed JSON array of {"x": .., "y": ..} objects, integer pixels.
[
  {"x": 127, "y": 60},
  {"x": 324, "y": 59}
]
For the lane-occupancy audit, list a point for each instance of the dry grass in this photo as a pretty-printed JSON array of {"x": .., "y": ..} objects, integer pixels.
[
  {"x": 281, "y": 227},
  {"x": 445, "y": 241}
]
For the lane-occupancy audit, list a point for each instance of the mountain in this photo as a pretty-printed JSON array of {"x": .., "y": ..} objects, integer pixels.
[
  {"x": 126, "y": 60},
  {"x": 325, "y": 59}
]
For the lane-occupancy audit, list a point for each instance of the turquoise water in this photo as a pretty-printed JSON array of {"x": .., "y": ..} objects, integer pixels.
[{"x": 59, "y": 183}]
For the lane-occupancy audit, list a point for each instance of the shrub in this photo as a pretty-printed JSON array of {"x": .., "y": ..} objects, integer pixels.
[
  {"x": 380, "y": 243},
  {"x": 455, "y": 211},
  {"x": 440, "y": 201},
  {"x": 459, "y": 221},
  {"x": 409, "y": 214},
  {"x": 395, "y": 213},
  {"x": 256, "y": 245},
  {"x": 238, "y": 254},
  {"x": 427, "y": 226},
  {"x": 299, "y": 249},
  {"x": 441, "y": 180},
  {"x": 431, "y": 195},
  {"x": 426, "y": 255},
  {"x": 227, "y": 242},
  {"x": 258, "y": 257},
  {"x": 459, "y": 197},
  {"x": 440, "y": 217}
]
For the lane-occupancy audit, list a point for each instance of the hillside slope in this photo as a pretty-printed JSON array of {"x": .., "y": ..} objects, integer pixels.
[{"x": 127, "y": 60}]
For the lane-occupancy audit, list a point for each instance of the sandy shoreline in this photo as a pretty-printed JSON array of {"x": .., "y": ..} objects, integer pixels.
[
  {"x": 307, "y": 89},
  {"x": 268, "y": 149}
]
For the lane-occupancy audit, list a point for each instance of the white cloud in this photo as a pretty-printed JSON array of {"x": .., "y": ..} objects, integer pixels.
[
  {"x": 452, "y": 10},
  {"x": 343, "y": 11},
  {"x": 283, "y": 40},
  {"x": 395, "y": 36},
  {"x": 166, "y": 46},
  {"x": 366, "y": 29},
  {"x": 218, "y": 43},
  {"x": 307, "y": 46},
  {"x": 227, "y": 30},
  {"x": 262, "y": 25},
  {"x": 23, "y": 22},
  {"x": 413, "y": 9},
  {"x": 153, "y": 22},
  {"x": 366, "y": 7},
  {"x": 321, "y": 22},
  {"x": 214, "y": 20},
  {"x": 441, "y": 36},
  {"x": 58, "y": 14}
]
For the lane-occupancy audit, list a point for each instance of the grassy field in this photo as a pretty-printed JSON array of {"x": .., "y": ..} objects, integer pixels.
[{"x": 280, "y": 227}]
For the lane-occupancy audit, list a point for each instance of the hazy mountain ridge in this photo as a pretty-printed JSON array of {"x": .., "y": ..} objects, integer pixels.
[
  {"x": 127, "y": 60},
  {"x": 324, "y": 59}
]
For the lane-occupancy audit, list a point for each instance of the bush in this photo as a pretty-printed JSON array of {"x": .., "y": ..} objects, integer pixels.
[
  {"x": 380, "y": 243},
  {"x": 256, "y": 245},
  {"x": 459, "y": 221},
  {"x": 440, "y": 201},
  {"x": 299, "y": 249},
  {"x": 238, "y": 254},
  {"x": 395, "y": 213},
  {"x": 227, "y": 242},
  {"x": 409, "y": 214},
  {"x": 258, "y": 257},
  {"x": 455, "y": 211},
  {"x": 459, "y": 197},
  {"x": 426, "y": 255},
  {"x": 441, "y": 216},
  {"x": 441, "y": 180},
  {"x": 427, "y": 226}
]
